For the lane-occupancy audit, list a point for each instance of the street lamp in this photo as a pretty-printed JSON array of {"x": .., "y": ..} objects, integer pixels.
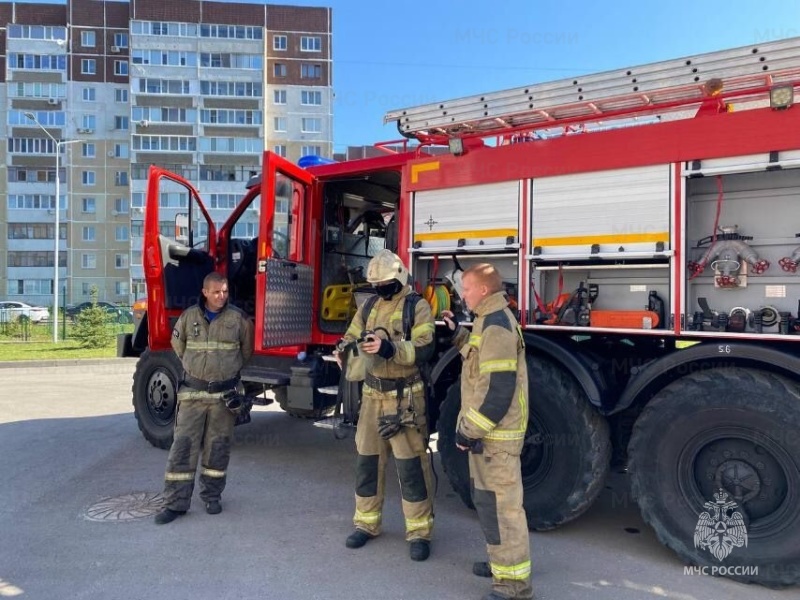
[{"x": 58, "y": 144}]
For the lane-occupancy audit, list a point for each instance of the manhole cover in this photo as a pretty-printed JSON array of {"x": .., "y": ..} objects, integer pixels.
[{"x": 126, "y": 508}]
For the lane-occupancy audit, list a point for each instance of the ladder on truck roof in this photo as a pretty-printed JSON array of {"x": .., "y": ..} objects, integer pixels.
[{"x": 746, "y": 73}]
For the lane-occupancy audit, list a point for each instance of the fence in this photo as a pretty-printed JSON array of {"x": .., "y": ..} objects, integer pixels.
[{"x": 14, "y": 328}]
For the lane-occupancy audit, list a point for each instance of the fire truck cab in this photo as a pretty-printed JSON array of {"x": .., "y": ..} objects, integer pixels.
[{"x": 646, "y": 225}]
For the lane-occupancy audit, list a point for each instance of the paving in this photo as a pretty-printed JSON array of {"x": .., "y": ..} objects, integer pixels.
[{"x": 80, "y": 484}]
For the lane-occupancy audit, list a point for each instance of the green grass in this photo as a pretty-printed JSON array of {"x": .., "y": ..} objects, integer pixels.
[{"x": 37, "y": 344}]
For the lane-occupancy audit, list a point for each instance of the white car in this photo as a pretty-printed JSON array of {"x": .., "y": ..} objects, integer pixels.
[{"x": 13, "y": 311}]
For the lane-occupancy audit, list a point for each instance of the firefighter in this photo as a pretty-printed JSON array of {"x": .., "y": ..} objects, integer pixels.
[
  {"x": 491, "y": 426},
  {"x": 213, "y": 341},
  {"x": 392, "y": 418}
]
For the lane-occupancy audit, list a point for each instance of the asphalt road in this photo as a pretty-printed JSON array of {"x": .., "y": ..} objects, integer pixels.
[{"x": 70, "y": 448}]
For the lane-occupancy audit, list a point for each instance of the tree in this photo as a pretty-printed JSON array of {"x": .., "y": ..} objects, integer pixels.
[{"x": 92, "y": 325}]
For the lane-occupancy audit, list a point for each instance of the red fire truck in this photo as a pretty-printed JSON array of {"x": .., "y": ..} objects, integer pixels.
[{"x": 646, "y": 223}]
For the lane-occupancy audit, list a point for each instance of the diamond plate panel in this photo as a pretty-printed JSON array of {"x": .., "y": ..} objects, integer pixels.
[{"x": 287, "y": 304}]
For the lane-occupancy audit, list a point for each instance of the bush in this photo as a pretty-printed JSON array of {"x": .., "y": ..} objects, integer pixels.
[{"x": 92, "y": 325}]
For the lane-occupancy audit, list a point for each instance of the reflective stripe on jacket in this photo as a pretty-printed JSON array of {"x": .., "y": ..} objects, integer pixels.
[
  {"x": 216, "y": 350},
  {"x": 389, "y": 315},
  {"x": 494, "y": 376}
]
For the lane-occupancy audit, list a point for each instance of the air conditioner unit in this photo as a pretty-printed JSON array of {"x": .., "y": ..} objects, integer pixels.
[
  {"x": 85, "y": 130},
  {"x": 51, "y": 211},
  {"x": 114, "y": 213},
  {"x": 115, "y": 49},
  {"x": 52, "y": 101},
  {"x": 110, "y": 154},
  {"x": 144, "y": 123}
]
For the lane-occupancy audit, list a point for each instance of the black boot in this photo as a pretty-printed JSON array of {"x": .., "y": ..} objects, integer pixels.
[
  {"x": 481, "y": 569},
  {"x": 213, "y": 507},
  {"x": 357, "y": 539},
  {"x": 167, "y": 516},
  {"x": 420, "y": 550}
]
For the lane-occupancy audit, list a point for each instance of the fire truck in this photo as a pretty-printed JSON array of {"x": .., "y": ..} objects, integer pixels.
[{"x": 645, "y": 221}]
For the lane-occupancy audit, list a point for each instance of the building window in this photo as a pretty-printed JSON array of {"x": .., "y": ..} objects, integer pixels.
[
  {"x": 121, "y": 206},
  {"x": 280, "y": 150},
  {"x": 121, "y": 122},
  {"x": 309, "y": 71},
  {"x": 310, "y": 43},
  {"x": 311, "y": 125},
  {"x": 88, "y": 205},
  {"x": 120, "y": 261},
  {"x": 88, "y": 261},
  {"x": 279, "y": 97},
  {"x": 121, "y": 178},
  {"x": 311, "y": 98},
  {"x": 121, "y": 40},
  {"x": 88, "y": 150},
  {"x": 279, "y": 42},
  {"x": 88, "y": 39},
  {"x": 89, "y": 94},
  {"x": 121, "y": 150},
  {"x": 280, "y": 123},
  {"x": 121, "y": 233},
  {"x": 88, "y": 66},
  {"x": 120, "y": 95},
  {"x": 311, "y": 151},
  {"x": 88, "y": 177},
  {"x": 279, "y": 70},
  {"x": 121, "y": 288},
  {"x": 120, "y": 67},
  {"x": 85, "y": 288},
  {"x": 88, "y": 234},
  {"x": 89, "y": 122}
]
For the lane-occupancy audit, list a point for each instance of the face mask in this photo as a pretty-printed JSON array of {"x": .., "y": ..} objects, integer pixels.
[{"x": 387, "y": 290}]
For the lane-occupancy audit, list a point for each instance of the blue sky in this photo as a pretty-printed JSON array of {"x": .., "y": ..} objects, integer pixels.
[{"x": 390, "y": 55}]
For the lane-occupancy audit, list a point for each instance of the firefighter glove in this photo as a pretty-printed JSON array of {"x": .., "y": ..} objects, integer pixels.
[
  {"x": 388, "y": 426},
  {"x": 475, "y": 446},
  {"x": 386, "y": 350}
]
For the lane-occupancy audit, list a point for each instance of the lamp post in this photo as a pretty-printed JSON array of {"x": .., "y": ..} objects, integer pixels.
[{"x": 57, "y": 235}]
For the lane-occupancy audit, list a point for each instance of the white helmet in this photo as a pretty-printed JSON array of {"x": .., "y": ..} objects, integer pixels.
[{"x": 385, "y": 266}]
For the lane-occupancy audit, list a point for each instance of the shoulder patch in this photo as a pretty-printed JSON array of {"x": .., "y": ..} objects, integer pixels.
[
  {"x": 498, "y": 318},
  {"x": 176, "y": 334}
]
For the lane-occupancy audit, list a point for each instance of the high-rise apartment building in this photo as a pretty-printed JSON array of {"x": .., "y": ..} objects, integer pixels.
[{"x": 198, "y": 87}]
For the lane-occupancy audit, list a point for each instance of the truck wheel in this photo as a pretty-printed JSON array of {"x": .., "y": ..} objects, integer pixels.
[
  {"x": 155, "y": 395},
  {"x": 567, "y": 452},
  {"x": 732, "y": 429}
]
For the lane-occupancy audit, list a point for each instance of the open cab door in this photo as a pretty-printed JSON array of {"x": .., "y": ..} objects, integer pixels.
[
  {"x": 285, "y": 273},
  {"x": 179, "y": 251}
]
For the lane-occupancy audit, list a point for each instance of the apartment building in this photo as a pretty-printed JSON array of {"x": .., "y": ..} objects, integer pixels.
[{"x": 198, "y": 87}]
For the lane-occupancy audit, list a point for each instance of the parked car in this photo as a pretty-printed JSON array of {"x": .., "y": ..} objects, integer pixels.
[
  {"x": 119, "y": 314},
  {"x": 11, "y": 310}
]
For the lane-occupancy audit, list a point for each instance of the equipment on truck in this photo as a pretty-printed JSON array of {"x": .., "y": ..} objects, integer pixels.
[{"x": 599, "y": 184}]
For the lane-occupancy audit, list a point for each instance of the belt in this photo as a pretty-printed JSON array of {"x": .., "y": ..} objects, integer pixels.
[
  {"x": 390, "y": 385},
  {"x": 212, "y": 387}
]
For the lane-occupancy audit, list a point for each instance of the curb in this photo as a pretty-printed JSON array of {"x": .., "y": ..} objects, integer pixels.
[{"x": 64, "y": 362}]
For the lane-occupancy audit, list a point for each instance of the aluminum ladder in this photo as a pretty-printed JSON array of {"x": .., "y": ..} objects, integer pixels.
[{"x": 746, "y": 73}]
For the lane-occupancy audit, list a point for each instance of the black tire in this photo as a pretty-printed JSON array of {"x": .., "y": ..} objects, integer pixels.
[
  {"x": 155, "y": 395},
  {"x": 567, "y": 453},
  {"x": 732, "y": 428}
]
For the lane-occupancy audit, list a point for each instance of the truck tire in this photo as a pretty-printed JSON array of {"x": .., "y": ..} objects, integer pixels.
[
  {"x": 729, "y": 428},
  {"x": 155, "y": 395},
  {"x": 566, "y": 456}
]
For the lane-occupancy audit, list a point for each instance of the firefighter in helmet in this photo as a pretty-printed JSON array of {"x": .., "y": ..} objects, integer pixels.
[
  {"x": 392, "y": 417},
  {"x": 491, "y": 426}
]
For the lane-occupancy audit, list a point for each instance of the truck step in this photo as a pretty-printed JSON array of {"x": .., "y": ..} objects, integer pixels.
[
  {"x": 266, "y": 376},
  {"x": 333, "y": 423},
  {"x": 330, "y": 390}
]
